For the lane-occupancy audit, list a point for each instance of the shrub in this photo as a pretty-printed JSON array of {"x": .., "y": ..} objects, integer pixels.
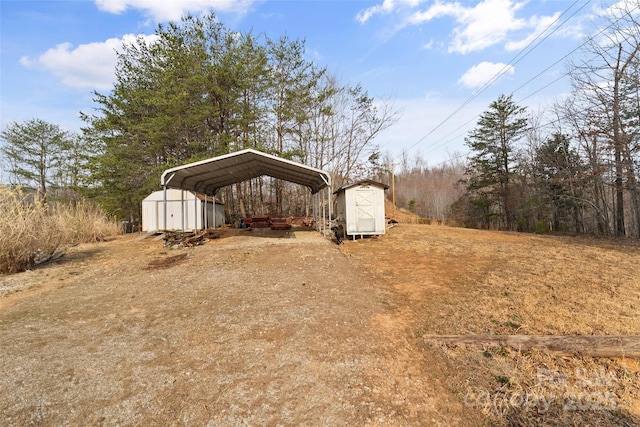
[{"x": 541, "y": 227}]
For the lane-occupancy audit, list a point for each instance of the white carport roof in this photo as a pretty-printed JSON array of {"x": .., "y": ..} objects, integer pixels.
[{"x": 208, "y": 176}]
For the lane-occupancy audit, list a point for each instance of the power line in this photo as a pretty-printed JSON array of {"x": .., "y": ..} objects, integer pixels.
[
  {"x": 525, "y": 52},
  {"x": 589, "y": 39}
]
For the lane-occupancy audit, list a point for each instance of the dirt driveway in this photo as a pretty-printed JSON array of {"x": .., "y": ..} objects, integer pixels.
[{"x": 264, "y": 328}]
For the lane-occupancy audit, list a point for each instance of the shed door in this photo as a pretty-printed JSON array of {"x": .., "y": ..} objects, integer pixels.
[{"x": 365, "y": 210}]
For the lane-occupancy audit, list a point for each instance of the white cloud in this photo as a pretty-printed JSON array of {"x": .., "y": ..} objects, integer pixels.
[
  {"x": 165, "y": 10},
  {"x": 479, "y": 75},
  {"x": 387, "y": 6},
  {"x": 540, "y": 24},
  {"x": 87, "y": 66},
  {"x": 485, "y": 24},
  {"x": 25, "y": 61},
  {"x": 613, "y": 10},
  {"x": 478, "y": 25},
  {"x": 428, "y": 45},
  {"x": 437, "y": 10}
]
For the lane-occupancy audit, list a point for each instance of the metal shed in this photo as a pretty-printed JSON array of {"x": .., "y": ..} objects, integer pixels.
[
  {"x": 360, "y": 208},
  {"x": 185, "y": 210}
]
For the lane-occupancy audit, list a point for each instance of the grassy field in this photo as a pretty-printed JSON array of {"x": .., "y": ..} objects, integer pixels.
[{"x": 461, "y": 281}]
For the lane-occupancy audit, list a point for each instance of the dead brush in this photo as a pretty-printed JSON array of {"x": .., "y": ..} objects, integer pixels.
[
  {"x": 31, "y": 232},
  {"x": 84, "y": 222},
  {"x": 27, "y": 232}
]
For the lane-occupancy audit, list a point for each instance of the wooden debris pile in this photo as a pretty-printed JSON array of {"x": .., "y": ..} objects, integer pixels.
[
  {"x": 303, "y": 221},
  {"x": 190, "y": 238}
]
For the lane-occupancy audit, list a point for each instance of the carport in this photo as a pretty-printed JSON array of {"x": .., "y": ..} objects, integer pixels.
[{"x": 209, "y": 176}]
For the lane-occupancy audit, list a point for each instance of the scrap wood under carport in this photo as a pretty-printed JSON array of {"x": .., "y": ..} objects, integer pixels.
[
  {"x": 260, "y": 221},
  {"x": 281, "y": 223},
  {"x": 587, "y": 345}
]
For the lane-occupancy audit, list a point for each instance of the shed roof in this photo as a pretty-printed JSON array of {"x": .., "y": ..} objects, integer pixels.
[
  {"x": 174, "y": 194},
  {"x": 363, "y": 182},
  {"x": 208, "y": 176}
]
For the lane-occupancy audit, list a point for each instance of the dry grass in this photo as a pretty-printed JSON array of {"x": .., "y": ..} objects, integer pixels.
[
  {"x": 402, "y": 215},
  {"x": 484, "y": 282},
  {"x": 247, "y": 329},
  {"x": 85, "y": 223},
  {"x": 461, "y": 281},
  {"x": 538, "y": 286},
  {"x": 186, "y": 361},
  {"x": 27, "y": 232},
  {"x": 405, "y": 216},
  {"x": 31, "y": 232},
  {"x": 537, "y": 388},
  {"x": 522, "y": 284}
]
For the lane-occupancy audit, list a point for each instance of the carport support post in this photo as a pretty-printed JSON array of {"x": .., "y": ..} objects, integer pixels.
[
  {"x": 205, "y": 220},
  {"x": 324, "y": 219},
  {"x": 329, "y": 202},
  {"x": 182, "y": 208},
  {"x": 195, "y": 211},
  {"x": 314, "y": 209},
  {"x": 327, "y": 181},
  {"x": 164, "y": 204},
  {"x": 319, "y": 214}
]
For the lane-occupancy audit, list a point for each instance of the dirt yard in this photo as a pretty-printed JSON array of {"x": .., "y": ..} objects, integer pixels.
[{"x": 285, "y": 328}]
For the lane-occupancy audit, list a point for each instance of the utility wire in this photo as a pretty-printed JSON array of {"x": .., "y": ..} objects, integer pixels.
[
  {"x": 525, "y": 52},
  {"x": 523, "y": 85},
  {"x": 463, "y": 126}
]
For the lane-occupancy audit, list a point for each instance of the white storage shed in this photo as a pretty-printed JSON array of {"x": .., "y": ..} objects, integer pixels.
[
  {"x": 360, "y": 208},
  {"x": 185, "y": 211}
]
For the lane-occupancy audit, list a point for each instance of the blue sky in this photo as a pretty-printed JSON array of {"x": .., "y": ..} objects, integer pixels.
[{"x": 426, "y": 57}]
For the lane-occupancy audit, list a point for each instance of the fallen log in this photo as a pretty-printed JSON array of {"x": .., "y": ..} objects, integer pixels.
[{"x": 587, "y": 345}]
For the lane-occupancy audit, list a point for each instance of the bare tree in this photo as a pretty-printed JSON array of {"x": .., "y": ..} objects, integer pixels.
[
  {"x": 346, "y": 134},
  {"x": 600, "y": 80},
  {"x": 583, "y": 128},
  {"x": 428, "y": 191}
]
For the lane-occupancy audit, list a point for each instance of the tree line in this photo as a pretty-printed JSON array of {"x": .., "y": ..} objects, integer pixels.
[
  {"x": 200, "y": 90},
  {"x": 579, "y": 173},
  {"x": 572, "y": 168}
]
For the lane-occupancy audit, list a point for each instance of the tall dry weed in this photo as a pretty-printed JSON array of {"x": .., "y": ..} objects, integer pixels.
[
  {"x": 27, "y": 232},
  {"x": 85, "y": 222},
  {"x": 30, "y": 232}
]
